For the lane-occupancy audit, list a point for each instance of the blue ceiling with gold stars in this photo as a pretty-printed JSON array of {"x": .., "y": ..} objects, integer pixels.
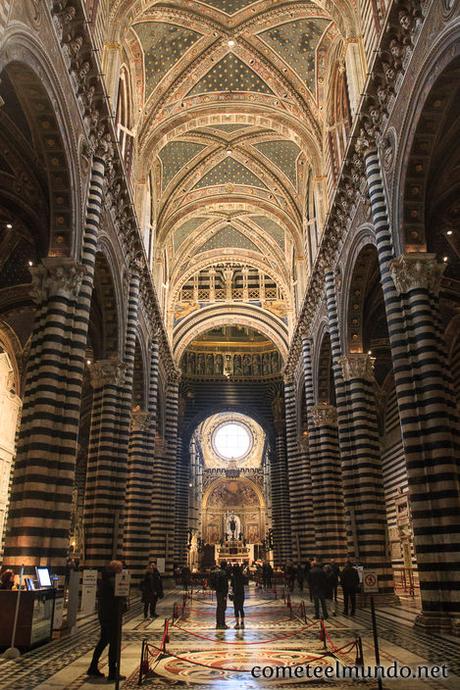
[
  {"x": 229, "y": 6},
  {"x": 163, "y": 45},
  {"x": 283, "y": 154},
  {"x": 229, "y": 171},
  {"x": 272, "y": 228},
  {"x": 184, "y": 230},
  {"x": 230, "y": 74},
  {"x": 296, "y": 43},
  {"x": 175, "y": 155},
  {"x": 228, "y": 237}
]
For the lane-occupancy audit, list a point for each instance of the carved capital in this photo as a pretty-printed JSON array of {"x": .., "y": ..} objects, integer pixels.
[
  {"x": 365, "y": 142},
  {"x": 107, "y": 371},
  {"x": 417, "y": 271},
  {"x": 323, "y": 414},
  {"x": 357, "y": 365},
  {"x": 57, "y": 275},
  {"x": 140, "y": 420}
]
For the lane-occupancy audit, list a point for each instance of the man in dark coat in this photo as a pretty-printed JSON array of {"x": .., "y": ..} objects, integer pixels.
[
  {"x": 152, "y": 589},
  {"x": 220, "y": 585},
  {"x": 318, "y": 588},
  {"x": 107, "y": 611},
  {"x": 349, "y": 579}
]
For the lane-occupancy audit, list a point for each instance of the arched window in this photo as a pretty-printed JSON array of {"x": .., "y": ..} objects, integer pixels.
[{"x": 124, "y": 120}]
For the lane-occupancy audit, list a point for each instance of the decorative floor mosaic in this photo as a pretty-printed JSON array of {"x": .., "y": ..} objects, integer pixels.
[{"x": 200, "y": 657}]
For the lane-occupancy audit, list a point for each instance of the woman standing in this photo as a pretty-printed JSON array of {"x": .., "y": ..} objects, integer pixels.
[{"x": 238, "y": 581}]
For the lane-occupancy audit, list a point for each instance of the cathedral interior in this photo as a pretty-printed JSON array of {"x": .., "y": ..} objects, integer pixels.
[{"x": 230, "y": 320}]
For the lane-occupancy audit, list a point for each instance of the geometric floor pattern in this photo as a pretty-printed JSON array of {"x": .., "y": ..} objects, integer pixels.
[{"x": 199, "y": 657}]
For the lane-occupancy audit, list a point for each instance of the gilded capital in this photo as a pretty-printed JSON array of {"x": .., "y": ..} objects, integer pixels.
[
  {"x": 417, "y": 271},
  {"x": 357, "y": 365},
  {"x": 140, "y": 420},
  {"x": 57, "y": 275},
  {"x": 107, "y": 371},
  {"x": 323, "y": 414}
]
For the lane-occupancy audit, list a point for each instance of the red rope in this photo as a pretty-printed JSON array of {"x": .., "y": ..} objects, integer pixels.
[{"x": 243, "y": 642}]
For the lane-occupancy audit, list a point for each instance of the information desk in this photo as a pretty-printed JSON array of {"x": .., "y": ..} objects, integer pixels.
[{"x": 35, "y": 619}]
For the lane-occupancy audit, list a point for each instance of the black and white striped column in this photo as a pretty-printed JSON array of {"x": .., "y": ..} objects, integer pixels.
[
  {"x": 182, "y": 499},
  {"x": 298, "y": 468},
  {"x": 362, "y": 477},
  {"x": 164, "y": 490},
  {"x": 326, "y": 478},
  {"x": 41, "y": 497},
  {"x": 280, "y": 488},
  {"x": 137, "y": 529},
  {"x": 106, "y": 466},
  {"x": 429, "y": 422}
]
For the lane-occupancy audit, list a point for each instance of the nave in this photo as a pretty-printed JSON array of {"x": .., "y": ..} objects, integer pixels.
[{"x": 201, "y": 657}]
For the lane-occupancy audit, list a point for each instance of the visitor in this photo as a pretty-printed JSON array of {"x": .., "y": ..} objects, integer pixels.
[
  {"x": 289, "y": 574},
  {"x": 7, "y": 579},
  {"x": 186, "y": 577},
  {"x": 336, "y": 569},
  {"x": 220, "y": 585},
  {"x": 307, "y": 569},
  {"x": 267, "y": 575},
  {"x": 300, "y": 575},
  {"x": 318, "y": 589},
  {"x": 108, "y": 619},
  {"x": 238, "y": 581},
  {"x": 152, "y": 590},
  {"x": 349, "y": 579},
  {"x": 332, "y": 581}
]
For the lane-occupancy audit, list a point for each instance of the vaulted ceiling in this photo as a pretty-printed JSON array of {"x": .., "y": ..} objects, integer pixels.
[{"x": 229, "y": 115}]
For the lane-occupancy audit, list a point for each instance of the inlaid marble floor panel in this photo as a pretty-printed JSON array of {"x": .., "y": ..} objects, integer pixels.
[{"x": 200, "y": 657}]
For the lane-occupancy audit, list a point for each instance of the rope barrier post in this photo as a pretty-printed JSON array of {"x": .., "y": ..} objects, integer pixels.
[
  {"x": 359, "y": 652},
  {"x": 141, "y": 665},
  {"x": 376, "y": 643},
  {"x": 165, "y": 639}
]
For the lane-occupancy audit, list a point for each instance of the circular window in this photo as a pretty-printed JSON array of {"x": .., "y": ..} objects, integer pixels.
[{"x": 232, "y": 441}]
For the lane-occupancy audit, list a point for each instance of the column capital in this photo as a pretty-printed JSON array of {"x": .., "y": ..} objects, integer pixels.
[
  {"x": 357, "y": 365},
  {"x": 57, "y": 275},
  {"x": 106, "y": 371},
  {"x": 417, "y": 270},
  {"x": 324, "y": 414},
  {"x": 140, "y": 420}
]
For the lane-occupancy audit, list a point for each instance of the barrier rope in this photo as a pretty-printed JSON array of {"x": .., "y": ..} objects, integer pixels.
[{"x": 243, "y": 642}]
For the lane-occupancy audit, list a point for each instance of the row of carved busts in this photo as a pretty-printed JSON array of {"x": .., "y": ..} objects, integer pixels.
[{"x": 230, "y": 364}]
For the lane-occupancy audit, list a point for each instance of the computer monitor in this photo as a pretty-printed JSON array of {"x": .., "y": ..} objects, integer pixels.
[{"x": 43, "y": 577}]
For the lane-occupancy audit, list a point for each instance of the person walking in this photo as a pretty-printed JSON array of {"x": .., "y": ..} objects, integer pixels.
[
  {"x": 300, "y": 575},
  {"x": 238, "y": 582},
  {"x": 349, "y": 579},
  {"x": 152, "y": 590},
  {"x": 108, "y": 620},
  {"x": 307, "y": 569},
  {"x": 220, "y": 585},
  {"x": 336, "y": 570},
  {"x": 332, "y": 581},
  {"x": 318, "y": 589},
  {"x": 267, "y": 575}
]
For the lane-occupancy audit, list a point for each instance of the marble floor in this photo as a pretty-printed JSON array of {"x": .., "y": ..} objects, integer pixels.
[{"x": 199, "y": 656}]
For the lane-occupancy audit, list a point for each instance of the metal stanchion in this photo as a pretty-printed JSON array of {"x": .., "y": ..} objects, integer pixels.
[
  {"x": 376, "y": 642},
  {"x": 12, "y": 652},
  {"x": 141, "y": 665},
  {"x": 119, "y": 605}
]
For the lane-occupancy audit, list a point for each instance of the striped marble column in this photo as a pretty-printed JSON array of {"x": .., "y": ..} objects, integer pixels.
[
  {"x": 360, "y": 456},
  {"x": 137, "y": 531},
  {"x": 181, "y": 502},
  {"x": 106, "y": 467},
  {"x": 41, "y": 497},
  {"x": 428, "y": 417},
  {"x": 280, "y": 488},
  {"x": 326, "y": 477},
  {"x": 298, "y": 470},
  {"x": 164, "y": 490}
]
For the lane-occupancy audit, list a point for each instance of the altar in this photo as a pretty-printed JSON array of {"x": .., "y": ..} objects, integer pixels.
[{"x": 234, "y": 551}]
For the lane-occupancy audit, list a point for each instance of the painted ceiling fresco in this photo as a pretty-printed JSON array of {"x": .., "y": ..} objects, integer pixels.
[
  {"x": 296, "y": 43},
  {"x": 230, "y": 74},
  {"x": 231, "y": 121},
  {"x": 163, "y": 45}
]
